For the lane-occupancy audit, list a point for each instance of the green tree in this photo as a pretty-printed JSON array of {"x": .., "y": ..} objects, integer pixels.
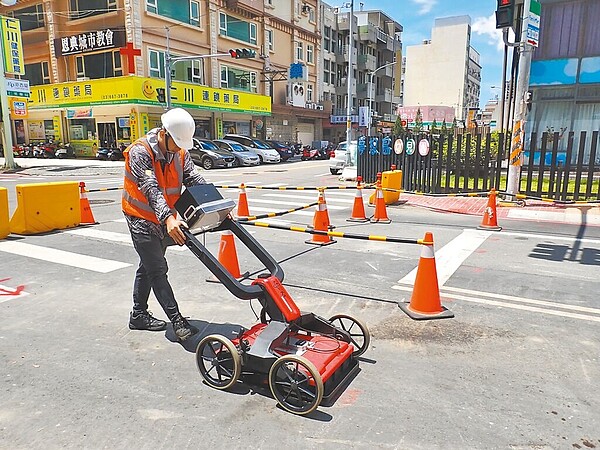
[
  {"x": 453, "y": 127},
  {"x": 434, "y": 126},
  {"x": 398, "y": 128},
  {"x": 418, "y": 122}
]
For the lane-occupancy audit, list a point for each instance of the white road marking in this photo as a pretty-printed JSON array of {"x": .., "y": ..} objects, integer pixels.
[
  {"x": 552, "y": 312},
  {"x": 5, "y": 298},
  {"x": 274, "y": 185},
  {"x": 450, "y": 257},
  {"x": 328, "y": 198},
  {"x": 62, "y": 257},
  {"x": 551, "y": 237},
  {"x": 279, "y": 202},
  {"x": 111, "y": 236},
  {"x": 322, "y": 174},
  {"x": 255, "y": 209}
]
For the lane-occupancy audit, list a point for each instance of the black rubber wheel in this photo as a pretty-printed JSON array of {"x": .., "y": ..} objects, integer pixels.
[
  {"x": 236, "y": 163},
  {"x": 333, "y": 171},
  {"x": 218, "y": 361},
  {"x": 360, "y": 337},
  {"x": 296, "y": 384},
  {"x": 260, "y": 158},
  {"x": 207, "y": 163}
]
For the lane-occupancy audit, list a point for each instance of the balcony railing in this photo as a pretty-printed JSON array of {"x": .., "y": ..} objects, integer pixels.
[
  {"x": 384, "y": 95},
  {"x": 366, "y": 62},
  {"x": 343, "y": 56},
  {"x": 362, "y": 90}
]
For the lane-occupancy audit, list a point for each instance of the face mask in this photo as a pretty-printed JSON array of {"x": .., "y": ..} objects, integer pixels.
[{"x": 170, "y": 155}]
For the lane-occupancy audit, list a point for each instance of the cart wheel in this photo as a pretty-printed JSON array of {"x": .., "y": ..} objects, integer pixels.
[
  {"x": 296, "y": 384},
  {"x": 218, "y": 361},
  {"x": 358, "y": 331}
]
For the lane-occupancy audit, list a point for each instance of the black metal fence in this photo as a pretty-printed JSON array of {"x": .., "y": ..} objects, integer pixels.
[{"x": 472, "y": 163}]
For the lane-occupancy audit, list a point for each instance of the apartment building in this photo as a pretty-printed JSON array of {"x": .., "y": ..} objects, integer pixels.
[
  {"x": 445, "y": 70},
  {"x": 97, "y": 68}
]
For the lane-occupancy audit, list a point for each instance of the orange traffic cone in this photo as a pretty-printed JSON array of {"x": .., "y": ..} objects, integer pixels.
[
  {"x": 425, "y": 302},
  {"x": 242, "y": 207},
  {"x": 87, "y": 217},
  {"x": 321, "y": 223},
  {"x": 490, "y": 218},
  {"x": 358, "y": 209},
  {"x": 380, "y": 215},
  {"x": 228, "y": 256}
]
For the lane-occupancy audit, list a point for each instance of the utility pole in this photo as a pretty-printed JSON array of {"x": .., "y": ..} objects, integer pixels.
[
  {"x": 349, "y": 79},
  {"x": 516, "y": 150},
  {"x": 371, "y": 75}
]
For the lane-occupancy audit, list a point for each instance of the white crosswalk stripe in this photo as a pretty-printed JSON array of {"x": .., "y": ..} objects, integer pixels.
[
  {"x": 71, "y": 259},
  {"x": 256, "y": 210},
  {"x": 111, "y": 236},
  {"x": 328, "y": 198},
  {"x": 279, "y": 202}
]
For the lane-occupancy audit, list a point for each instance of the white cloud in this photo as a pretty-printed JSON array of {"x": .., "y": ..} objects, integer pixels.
[
  {"x": 426, "y": 6},
  {"x": 486, "y": 26}
]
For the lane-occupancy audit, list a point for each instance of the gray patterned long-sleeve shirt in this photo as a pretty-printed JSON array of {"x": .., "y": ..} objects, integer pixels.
[{"x": 140, "y": 164}]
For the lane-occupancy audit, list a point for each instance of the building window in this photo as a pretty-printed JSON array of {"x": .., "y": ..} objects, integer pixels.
[
  {"x": 309, "y": 53},
  {"x": 37, "y": 73},
  {"x": 157, "y": 63},
  {"x": 195, "y": 13},
  {"x": 238, "y": 79},
  {"x": 309, "y": 92},
  {"x": 86, "y": 8},
  {"x": 311, "y": 15},
  {"x": 299, "y": 51},
  {"x": 30, "y": 18},
  {"x": 186, "y": 11},
  {"x": 237, "y": 29},
  {"x": 270, "y": 40},
  {"x": 99, "y": 65},
  {"x": 326, "y": 71},
  {"x": 326, "y": 38},
  {"x": 152, "y": 6}
]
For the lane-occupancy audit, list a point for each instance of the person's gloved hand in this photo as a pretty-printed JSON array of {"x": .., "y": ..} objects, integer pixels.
[{"x": 174, "y": 230}]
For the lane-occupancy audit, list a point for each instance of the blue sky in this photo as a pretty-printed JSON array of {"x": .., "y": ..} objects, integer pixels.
[{"x": 417, "y": 17}]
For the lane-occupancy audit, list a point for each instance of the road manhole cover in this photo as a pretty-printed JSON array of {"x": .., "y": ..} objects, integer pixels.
[{"x": 100, "y": 202}]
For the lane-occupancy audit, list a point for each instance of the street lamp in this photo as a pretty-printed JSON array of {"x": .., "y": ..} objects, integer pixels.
[
  {"x": 349, "y": 75},
  {"x": 371, "y": 75}
]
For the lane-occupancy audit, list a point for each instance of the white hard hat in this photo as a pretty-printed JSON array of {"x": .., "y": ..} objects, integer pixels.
[{"x": 180, "y": 126}]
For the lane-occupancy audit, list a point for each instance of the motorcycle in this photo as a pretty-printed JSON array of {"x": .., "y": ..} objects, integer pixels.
[
  {"x": 37, "y": 150},
  {"x": 65, "y": 151},
  {"x": 311, "y": 153},
  {"x": 116, "y": 154}
]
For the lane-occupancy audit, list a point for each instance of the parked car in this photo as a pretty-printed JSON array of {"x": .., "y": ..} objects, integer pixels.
[
  {"x": 243, "y": 155},
  {"x": 205, "y": 153},
  {"x": 340, "y": 156},
  {"x": 285, "y": 151},
  {"x": 265, "y": 153}
]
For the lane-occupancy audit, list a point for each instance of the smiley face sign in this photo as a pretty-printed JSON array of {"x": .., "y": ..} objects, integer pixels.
[{"x": 148, "y": 89}]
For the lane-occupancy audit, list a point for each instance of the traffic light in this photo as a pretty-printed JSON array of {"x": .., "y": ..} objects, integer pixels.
[
  {"x": 239, "y": 53},
  {"x": 160, "y": 95},
  {"x": 505, "y": 13}
]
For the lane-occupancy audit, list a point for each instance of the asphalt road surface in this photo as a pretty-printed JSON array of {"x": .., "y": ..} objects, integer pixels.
[{"x": 518, "y": 367}]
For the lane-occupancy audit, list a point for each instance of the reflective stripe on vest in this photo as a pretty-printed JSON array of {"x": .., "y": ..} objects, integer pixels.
[{"x": 134, "y": 202}]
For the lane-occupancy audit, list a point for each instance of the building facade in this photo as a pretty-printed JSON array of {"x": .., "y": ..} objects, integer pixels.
[
  {"x": 445, "y": 70},
  {"x": 565, "y": 74}
]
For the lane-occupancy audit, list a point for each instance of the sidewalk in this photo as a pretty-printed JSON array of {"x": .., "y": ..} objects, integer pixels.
[{"x": 534, "y": 210}]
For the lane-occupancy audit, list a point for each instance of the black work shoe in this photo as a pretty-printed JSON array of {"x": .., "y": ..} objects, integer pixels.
[
  {"x": 182, "y": 328},
  {"x": 145, "y": 321}
]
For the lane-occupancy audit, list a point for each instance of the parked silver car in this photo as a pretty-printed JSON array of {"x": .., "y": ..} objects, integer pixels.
[
  {"x": 265, "y": 153},
  {"x": 243, "y": 155}
]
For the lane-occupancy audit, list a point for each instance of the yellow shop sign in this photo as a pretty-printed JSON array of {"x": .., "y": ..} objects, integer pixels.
[{"x": 145, "y": 91}]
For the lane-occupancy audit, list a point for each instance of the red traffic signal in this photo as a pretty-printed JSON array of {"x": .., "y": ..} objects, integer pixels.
[
  {"x": 505, "y": 13},
  {"x": 238, "y": 53}
]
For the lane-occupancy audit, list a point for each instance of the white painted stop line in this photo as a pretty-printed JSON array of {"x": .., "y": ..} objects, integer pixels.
[{"x": 62, "y": 257}]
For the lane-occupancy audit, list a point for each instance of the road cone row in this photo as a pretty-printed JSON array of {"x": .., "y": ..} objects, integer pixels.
[
  {"x": 321, "y": 222},
  {"x": 490, "y": 218},
  {"x": 425, "y": 303},
  {"x": 87, "y": 217}
]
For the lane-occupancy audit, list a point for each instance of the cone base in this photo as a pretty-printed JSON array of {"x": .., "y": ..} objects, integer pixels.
[
  {"x": 415, "y": 315},
  {"x": 489, "y": 227},
  {"x": 310, "y": 241},
  {"x": 381, "y": 221},
  {"x": 357, "y": 219}
]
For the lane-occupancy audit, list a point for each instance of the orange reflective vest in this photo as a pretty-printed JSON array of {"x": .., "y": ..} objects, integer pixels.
[{"x": 170, "y": 180}]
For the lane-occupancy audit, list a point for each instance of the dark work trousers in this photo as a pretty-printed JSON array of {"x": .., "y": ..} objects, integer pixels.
[{"x": 152, "y": 274}]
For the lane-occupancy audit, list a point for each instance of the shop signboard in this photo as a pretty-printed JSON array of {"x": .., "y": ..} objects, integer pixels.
[
  {"x": 140, "y": 90},
  {"x": 17, "y": 88},
  {"x": 18, "y": 109},
  {"x": 12, "y": 44},
  {"x": 90, "y": 41}
]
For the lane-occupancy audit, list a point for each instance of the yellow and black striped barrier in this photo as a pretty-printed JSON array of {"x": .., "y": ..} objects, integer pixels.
[
  {"x": 339, "y": 234},
  {"x": 103, "y": 189},
  {"x": 549, "y": 200},
  {"x": 284, "y": 188},
  {"x": 276, "y": 214}
]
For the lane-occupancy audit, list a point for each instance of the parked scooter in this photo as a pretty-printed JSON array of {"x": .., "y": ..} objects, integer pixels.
[
  {"x": 116, "y": 154},
  {"x": 311, "y": 153},
  {"x": 64, "y": 151}
]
